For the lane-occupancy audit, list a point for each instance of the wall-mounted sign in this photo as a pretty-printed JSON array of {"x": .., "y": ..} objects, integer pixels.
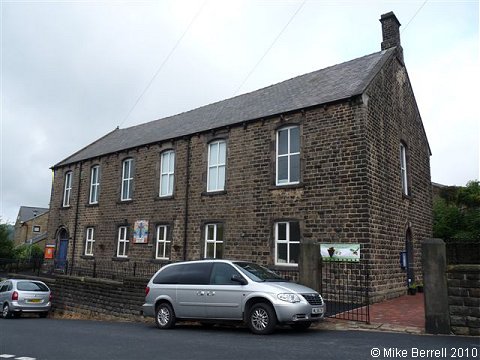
[
  {"x": 49, "y": 251},
  {"x": 338, "y": 252},
  {"x": 140, "y": 232}
]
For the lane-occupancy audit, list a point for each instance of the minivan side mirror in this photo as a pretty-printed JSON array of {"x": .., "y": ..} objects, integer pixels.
[{"x": 239, "y": 279}]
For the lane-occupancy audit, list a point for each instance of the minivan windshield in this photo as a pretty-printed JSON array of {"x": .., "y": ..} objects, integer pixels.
[{"x": 258, "y": 273}]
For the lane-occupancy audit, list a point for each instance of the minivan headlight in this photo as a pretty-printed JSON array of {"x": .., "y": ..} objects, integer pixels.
[{"x": 291, "y": 298}]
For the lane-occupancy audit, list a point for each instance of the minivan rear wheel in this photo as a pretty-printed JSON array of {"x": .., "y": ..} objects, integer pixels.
[
  {"x": 262, "y": 319},
  {"x": 165, "y": 316}
]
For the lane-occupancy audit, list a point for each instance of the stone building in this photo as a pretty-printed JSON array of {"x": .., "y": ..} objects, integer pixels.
[
  {"x": 338, "y": 155},
  {"x": 31, "y": 226}
]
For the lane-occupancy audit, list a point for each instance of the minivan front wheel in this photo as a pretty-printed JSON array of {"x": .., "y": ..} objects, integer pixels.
[
  {"x": 165, "y": 316},
  {"x": 262, "y": 319}
]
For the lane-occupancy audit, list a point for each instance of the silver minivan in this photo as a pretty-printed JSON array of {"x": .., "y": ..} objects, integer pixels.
[{"x": 220, "y": 290}]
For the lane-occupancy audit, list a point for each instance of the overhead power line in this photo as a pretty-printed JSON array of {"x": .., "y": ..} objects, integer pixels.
[
  {"x": 270, "y": 47},
  {"x": 163, "y": 63},
  {"x": 414, "y": 15}
]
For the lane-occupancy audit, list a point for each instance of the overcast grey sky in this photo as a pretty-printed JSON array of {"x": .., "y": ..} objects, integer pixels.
[{"x": 71, "y": 71}]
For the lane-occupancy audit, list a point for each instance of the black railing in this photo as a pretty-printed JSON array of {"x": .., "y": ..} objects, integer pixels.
[
  {"x": 462, "y": 251},
  {"x": 105, "y": 269},
  {"x": 344, "y": 287},
  {"x": 32, "y": 265}
]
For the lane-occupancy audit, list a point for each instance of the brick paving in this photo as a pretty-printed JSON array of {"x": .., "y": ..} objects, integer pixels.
[
  {"x": 403, "y": 314},
  {"x": 406, "y": 310}
]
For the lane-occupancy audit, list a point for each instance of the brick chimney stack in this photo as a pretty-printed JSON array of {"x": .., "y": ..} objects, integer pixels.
[{"x": 391, "y": 33}]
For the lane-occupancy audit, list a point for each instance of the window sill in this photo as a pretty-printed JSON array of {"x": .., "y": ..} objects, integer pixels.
[
  {"x": 87, "y": 257},
  {"x": 214, "y": 193},
  {"x": 91, "y": 205},
  {"x": 124, "y": 202},
  {"x": 406, "y": 197},
  {"x": 160, "y": 198},
  {"x": 160, "y": 261},
  {"x": 284, "y": 267},
  {"x": 65, "y": 207},
  {"x": 286, "y": 187},
  {"x": 120, "y": 259}
]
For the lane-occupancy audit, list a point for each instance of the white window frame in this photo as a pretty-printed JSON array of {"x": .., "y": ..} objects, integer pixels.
[
  {"x": 214, "y": 240},
  {"x": 67, "y": 190},
  {"x": 287, "y": 241},
  {"x": 127, "y": 179},
  {"x": 167, "y": 170},
  {"x": 162, "y": 240},
  {"x": 94, "y": 184},
  {"x": 288, "y": 155},
  {"x": 404, "y": 168},
  {"x": 217, "y": 165},
  {"x": 122, "y": 240},
  {"x": 89, "y": 241}
]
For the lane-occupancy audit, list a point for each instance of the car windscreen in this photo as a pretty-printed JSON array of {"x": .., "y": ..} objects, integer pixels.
[
  {"x": 31, "y": 286},
  {"x": 258, "y": 273}
]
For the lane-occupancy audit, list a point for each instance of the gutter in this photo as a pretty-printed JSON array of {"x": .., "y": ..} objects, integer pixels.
[
  {"x": 187, "y": 190},
  {"x": 76, "y": 216}
]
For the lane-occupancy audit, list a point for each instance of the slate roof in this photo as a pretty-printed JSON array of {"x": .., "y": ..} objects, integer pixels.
[
  {"x": 27, "y": 213},
  {"x": 319, "y": 87}
]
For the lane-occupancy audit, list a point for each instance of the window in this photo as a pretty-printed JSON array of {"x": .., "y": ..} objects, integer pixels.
[
  {"x": 127, "y": 179},
  {"x": 216, "y": 165},
  {"x": 94, "y": 184},
  {"x": 122, "y": 242},
  {"x": 287, "y": 243},
  {"x": 67, "y": 189},
  {"x": 89, "y": 241},
  {"x": 185, "y": 274},
  {"x": 36, "y": 228},
  {"x": 404, "y": 168},
  {"x": 163, "y": 243},
  {"x": 222, "y": 275},
  {"x": 288, "y": 156},
  {"x": 167, "y": 170},
  {"x": 214, "y": 241}
]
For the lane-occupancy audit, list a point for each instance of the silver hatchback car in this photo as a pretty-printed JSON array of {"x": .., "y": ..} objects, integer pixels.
[
  {"x": 220, "y": 290},
  {"x": 24, "y": 296}
]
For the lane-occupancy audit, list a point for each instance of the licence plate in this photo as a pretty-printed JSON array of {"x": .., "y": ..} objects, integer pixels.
[
  {"x": 34, "y": 301},
  {"x": 318, "y": 310}
]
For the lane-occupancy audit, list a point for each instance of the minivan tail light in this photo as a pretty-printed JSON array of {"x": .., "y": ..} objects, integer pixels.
[
  {"x": 147, "y": 290},
  {"x": 15, "y": 295}
]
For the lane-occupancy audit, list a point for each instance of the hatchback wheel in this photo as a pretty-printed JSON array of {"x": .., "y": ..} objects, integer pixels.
[
  {"x": 262, "y": 319},
  {"x": 6, "y": 313},
  {"x": 165, "y": 316}
]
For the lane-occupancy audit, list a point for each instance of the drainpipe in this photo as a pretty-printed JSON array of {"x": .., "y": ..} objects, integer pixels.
[
  {"x": 76, "y": 218},
  {"x": 187, "y": 188}
]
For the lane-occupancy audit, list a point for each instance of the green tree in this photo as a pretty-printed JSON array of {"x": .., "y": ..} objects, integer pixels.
[
  {"x": 6, "y": 245},
  {"x": 456, "y": 213},
  {"x": 27, "y": 252}
]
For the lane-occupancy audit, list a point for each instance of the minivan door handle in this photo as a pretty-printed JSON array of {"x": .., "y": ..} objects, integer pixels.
[
  {"x": 210, "y": 293},
  {"x": 200, "y": 293}
]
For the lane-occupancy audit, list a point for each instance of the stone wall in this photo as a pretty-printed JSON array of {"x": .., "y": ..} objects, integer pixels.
[
  {"x": 96, "y": 298},
  {"x": 464, "y": 299}
]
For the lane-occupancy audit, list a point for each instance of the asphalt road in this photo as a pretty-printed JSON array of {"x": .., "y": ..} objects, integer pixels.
[{"x": 42, "y": 339}]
